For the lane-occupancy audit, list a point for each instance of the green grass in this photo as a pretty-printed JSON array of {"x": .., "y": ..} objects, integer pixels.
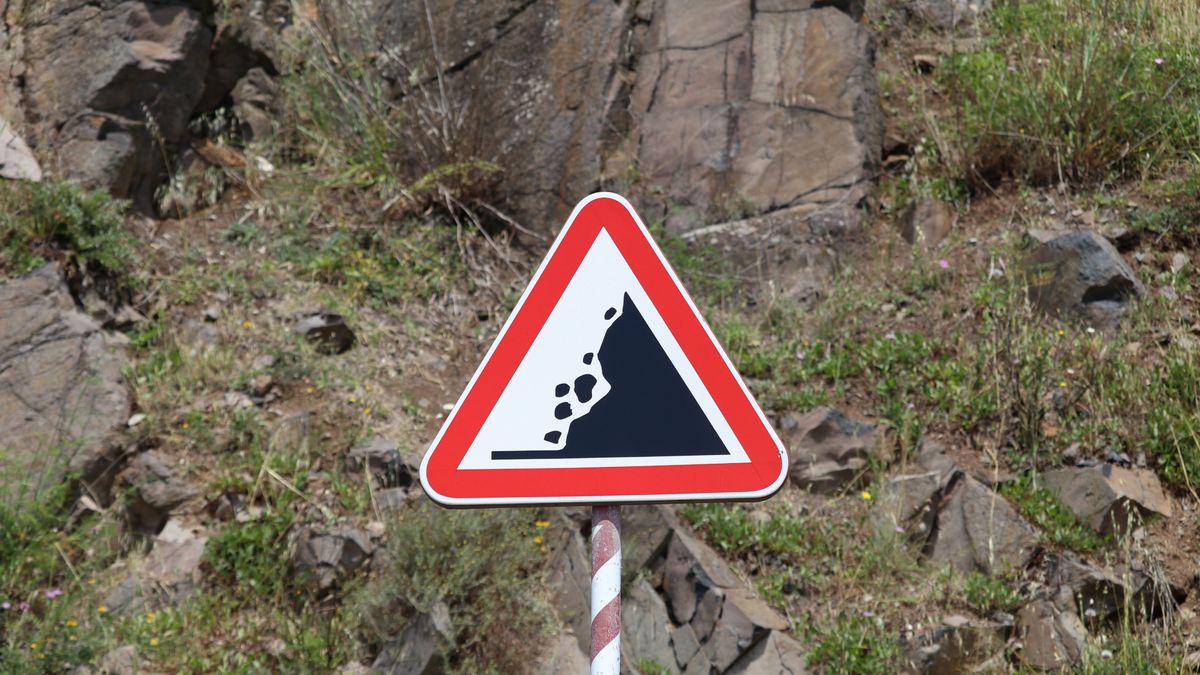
[
  {"x": 1083, "y": 90},
  {"x": 59, "y": 220}
]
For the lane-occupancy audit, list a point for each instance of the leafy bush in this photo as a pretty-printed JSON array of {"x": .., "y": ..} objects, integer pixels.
[
  {"x": 248, "y": 555},
  {"x": 1078, "y": 89},
  {"x": 52, "y": 219},
  {"x": 484, "y": 565}
]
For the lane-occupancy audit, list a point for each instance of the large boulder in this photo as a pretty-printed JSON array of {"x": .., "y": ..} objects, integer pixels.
[
  {"x": 110, "y": 85},
  {"x": 62, "y": 395},
  {"x": 977, "y": 529},
  {"x": 324, "y": 557},
  {"x": 827, "y": 450},
  {"x": 1108, "y": 498},
  {"x": 1081, "y": 276},
  {"x": 710, "y": 104}
]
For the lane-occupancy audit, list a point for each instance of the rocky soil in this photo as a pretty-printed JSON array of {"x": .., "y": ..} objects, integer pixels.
[{"x": 213, "y": 403}]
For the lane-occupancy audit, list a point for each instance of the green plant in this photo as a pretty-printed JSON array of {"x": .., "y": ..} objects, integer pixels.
[
  {"x": 985, "y": 594},
  {"x": 854, "y": 644},
  {"x": 39, "y": 221},
  {"x": 247, "y": 555}
]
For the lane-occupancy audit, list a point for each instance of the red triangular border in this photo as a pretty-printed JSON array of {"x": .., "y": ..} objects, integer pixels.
[{"x": 756, "y": 479}]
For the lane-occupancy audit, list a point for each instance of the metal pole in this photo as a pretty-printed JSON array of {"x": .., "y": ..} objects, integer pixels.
[{"x": 606, "y": 590}]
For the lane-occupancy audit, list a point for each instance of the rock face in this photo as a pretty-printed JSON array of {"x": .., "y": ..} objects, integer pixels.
[
  {"x": 103, "y": 90},
  {"x": 1081, "y": 275},
  {"x": 62, "y": 395},
  {"x": 1109, "y": 498},
  {"x": 106, "y": 81},
  {"x": 827, "y": 450},
  {"x": 723, "y": 103}
]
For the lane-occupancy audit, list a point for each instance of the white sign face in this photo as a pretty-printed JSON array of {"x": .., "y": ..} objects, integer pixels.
[
  {"x": 562, "y": 379},
  {"x": 604, "y": 386}
]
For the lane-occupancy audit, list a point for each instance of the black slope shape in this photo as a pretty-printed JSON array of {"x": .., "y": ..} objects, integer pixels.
[{"x": 648, "y": 412}]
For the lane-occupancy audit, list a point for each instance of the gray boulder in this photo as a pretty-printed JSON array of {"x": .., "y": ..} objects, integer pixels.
[
  {"x": 926, "y": 222},
  {"x": 777, "y": 654},
  {"x": 324, "y": 557},
  {"x": 419, "y": 647},
  {"x": 381, "y": 457},
  {"x": 564, "y": 658},
  {"x": 16, "y": 160},
  {"x": 948, "y": 14},
  {"x": 108, "y": 82},
  {"x": 326, "y": 330},
  {"x": 1080, "y": 275},
  {"x": 569, "y": 580},
  {"x": 1108, "y": 498},
  {"x": 1049, "y": 638},
  {"x": 63, "y": 400},
  {"x": 155, "y": 490},
  {"x": 827, "y": 450},
  {"x": 646, "y": 628},
  {"x": 977, "y": 529}
]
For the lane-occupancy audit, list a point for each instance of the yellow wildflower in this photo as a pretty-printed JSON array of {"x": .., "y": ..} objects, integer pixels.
[
  {"x": 866, "y": 495},
  {"x": 538, "y": 540},
  {"x": 102, "y": 609},
  {"x": 153, "y": 642},
  {"x": 542, "y": 524},
  {"x": 247, "y": 324},
  {"x": 71, "y": 623}
]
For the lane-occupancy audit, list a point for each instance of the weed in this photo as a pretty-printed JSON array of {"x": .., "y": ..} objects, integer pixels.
[
  {"x": 56, "y": 219},
  {"x": 854, "y": 644},
  {"x": 985, "y": 594},
  {"x": 247, "y": 555}
]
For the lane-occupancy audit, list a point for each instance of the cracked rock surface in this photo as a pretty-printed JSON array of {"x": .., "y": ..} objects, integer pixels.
[{"x": 62, "y": 395}]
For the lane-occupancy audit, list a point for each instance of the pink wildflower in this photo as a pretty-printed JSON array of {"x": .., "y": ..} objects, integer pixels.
[{"x": 944, "y": 264}]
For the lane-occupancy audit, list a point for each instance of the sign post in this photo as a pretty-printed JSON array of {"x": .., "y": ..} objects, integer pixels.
[
  {"x": 604, "y": 387},
  {"x": 606, "y": 590}
]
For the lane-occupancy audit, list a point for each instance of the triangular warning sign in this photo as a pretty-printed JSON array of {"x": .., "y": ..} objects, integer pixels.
[{"x": 604, "y": 386}]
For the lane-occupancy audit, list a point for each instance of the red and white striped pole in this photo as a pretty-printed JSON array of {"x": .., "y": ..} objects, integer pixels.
[{"x": 606, "y": 590}]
